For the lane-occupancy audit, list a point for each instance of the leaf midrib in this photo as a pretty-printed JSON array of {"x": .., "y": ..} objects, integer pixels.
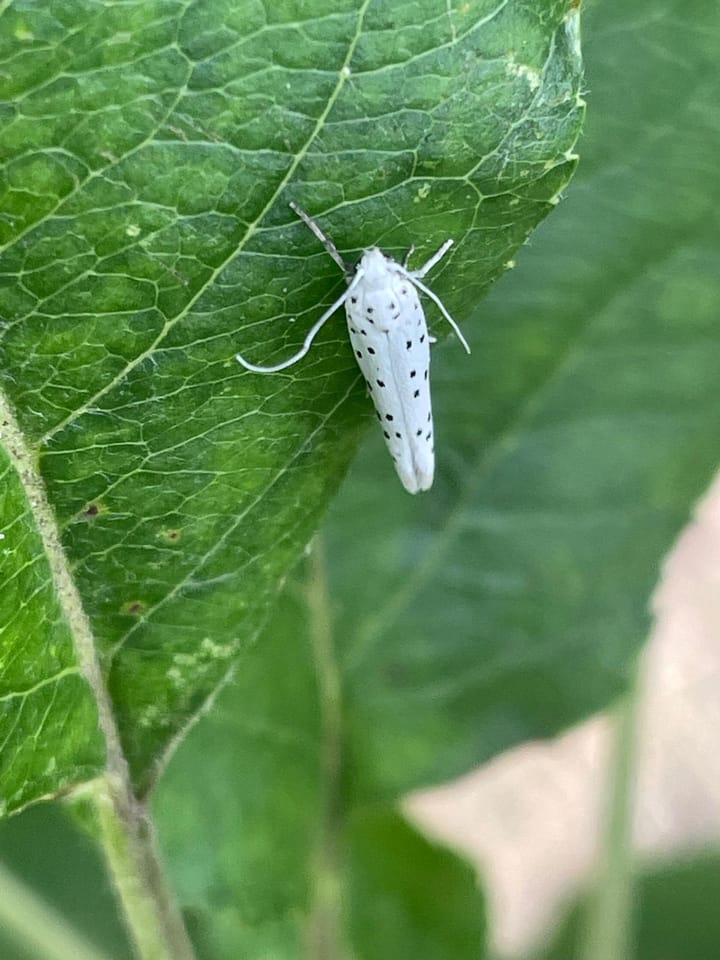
[{"x": 24, "y": 463}]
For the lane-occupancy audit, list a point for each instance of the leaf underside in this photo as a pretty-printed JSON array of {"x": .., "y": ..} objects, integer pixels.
[{"x": 149, "y": 152}]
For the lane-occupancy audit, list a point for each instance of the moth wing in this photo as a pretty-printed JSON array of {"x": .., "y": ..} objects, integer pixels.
[{"x": 394, "y": 357}]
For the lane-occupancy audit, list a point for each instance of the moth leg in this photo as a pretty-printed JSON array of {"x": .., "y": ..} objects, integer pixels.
[
  {"x": 410, "y": 252},
  {"x": 415, "y": 276},
  {"x": 307, "y": 343},
  {"x": 438, "y": 302},
  {"x": 435, "y": 258}
]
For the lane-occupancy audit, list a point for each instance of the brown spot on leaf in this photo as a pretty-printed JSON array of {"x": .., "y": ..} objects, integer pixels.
[{"x": 135, "y": 607}]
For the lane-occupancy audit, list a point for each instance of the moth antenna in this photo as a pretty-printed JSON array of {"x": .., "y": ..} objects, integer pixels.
[
  {"x": 326, "y": 241},
  {"x": 312, "y": 333}
]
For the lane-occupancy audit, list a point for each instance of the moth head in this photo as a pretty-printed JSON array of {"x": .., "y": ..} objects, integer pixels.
[{"x": 374, "y": 265}]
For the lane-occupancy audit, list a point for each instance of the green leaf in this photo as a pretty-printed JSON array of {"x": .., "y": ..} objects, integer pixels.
[
  {"x": 149, "y": 151},
  {"x": 675, "y": 914},
  {"x": 284, "y": 868},
  {"x": 408, "y": 897},
  {"x": 67, "y": 897},
  {"x": 40, "y": 752}
]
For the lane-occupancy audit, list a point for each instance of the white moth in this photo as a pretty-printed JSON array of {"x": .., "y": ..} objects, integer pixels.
[{"x": 390, "y": 338}]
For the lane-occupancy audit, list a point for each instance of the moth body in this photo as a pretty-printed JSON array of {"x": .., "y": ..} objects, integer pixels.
[{"x": 390, "y": 339}]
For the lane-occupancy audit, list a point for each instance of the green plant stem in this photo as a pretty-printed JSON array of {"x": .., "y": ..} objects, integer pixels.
[
  {"x": 608, "y": 932},
  {"x": 36, "y": 927},
  {"x": 151, "y": 912},
  {"x": 325, "y": 939}
]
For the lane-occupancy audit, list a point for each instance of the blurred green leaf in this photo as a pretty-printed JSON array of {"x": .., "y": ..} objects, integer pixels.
[
  {"x": 268, "y": 860},
  {"x": 676, "y": 915},
  {"x": 408, "y": 897},
  {"x": 54, "y": 858},
  {"x": 149, "y": 150}
]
